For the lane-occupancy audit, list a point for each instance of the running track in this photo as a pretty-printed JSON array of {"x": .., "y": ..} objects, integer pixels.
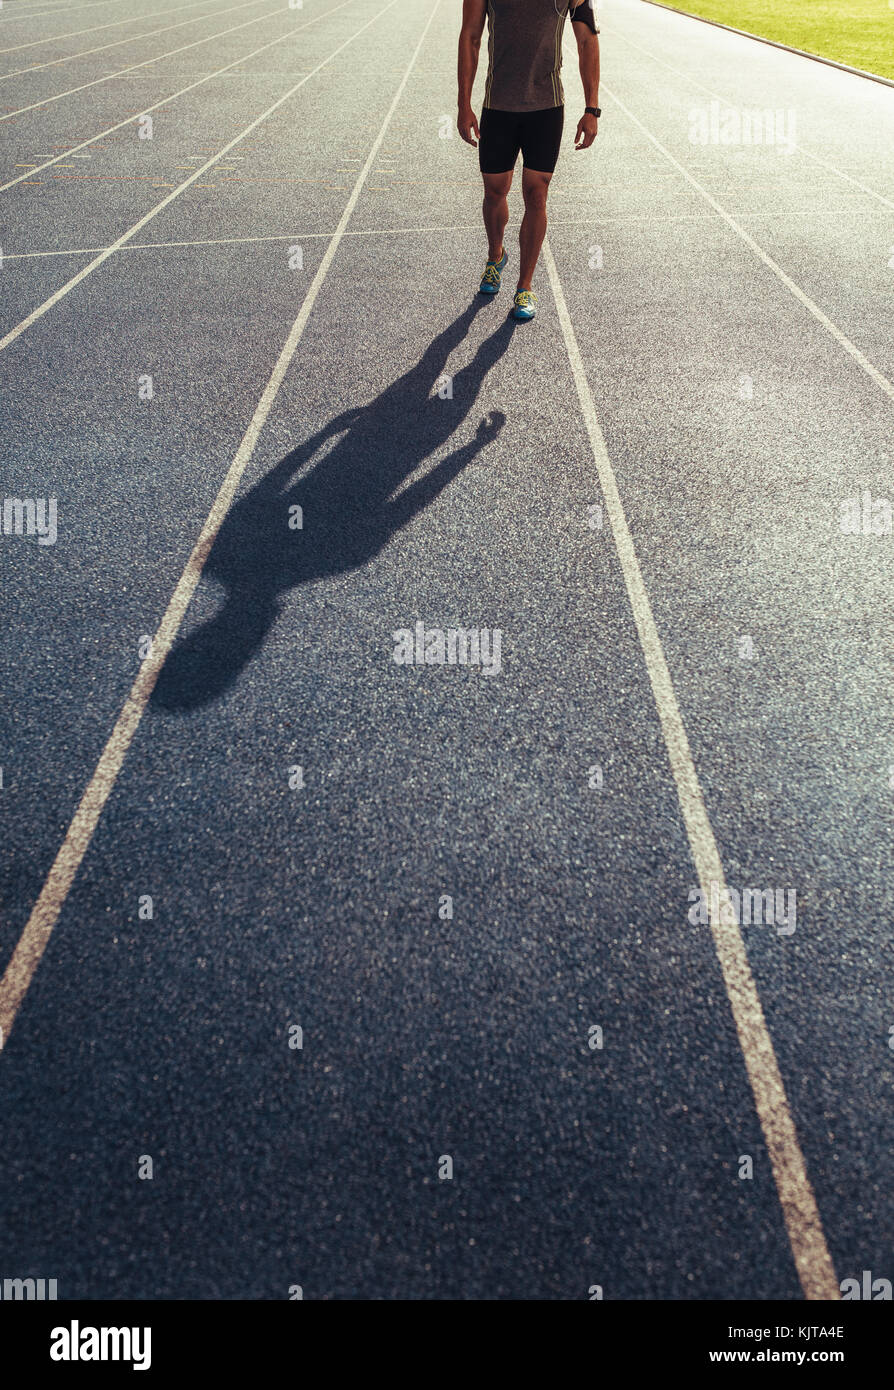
[{"x": 642, "y": 491}]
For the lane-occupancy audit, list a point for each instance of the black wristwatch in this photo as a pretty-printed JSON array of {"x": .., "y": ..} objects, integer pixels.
[{"x": 593, "y": 111}]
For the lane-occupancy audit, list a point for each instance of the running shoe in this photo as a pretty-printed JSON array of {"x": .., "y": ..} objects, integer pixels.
[
  {"x": 493, "y": 274},
  {"x": 524, "y": 306}
]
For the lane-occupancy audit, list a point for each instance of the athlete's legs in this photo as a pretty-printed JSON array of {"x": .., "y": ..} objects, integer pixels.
[
  {"x": 496, "y": 211},
  {"x": 535, "y": 186}
]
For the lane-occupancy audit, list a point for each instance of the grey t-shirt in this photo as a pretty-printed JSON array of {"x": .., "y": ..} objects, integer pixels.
[{"x": 524, "y": 51}]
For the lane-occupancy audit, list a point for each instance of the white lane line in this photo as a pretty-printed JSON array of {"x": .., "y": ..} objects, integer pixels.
[
  {"x": 146, "y": 110},
  {"x": 595, "y": 220},
  {"x": 133, "y": 38},
  {"x": 103, "y": 256},
  {"x": 169, "y": 245},
  {"x": 799, "y": 1207},
  {"x": 38, "y": 929},
  {"x": 693, "y": 82},
  {"x": 68, "y": 9},
  {"x": 147, "y": 62},
  {"x": 841, "y": 338},
  {"x": 130, "y": 19}
]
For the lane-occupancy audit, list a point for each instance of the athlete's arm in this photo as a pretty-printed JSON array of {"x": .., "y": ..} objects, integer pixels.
[
  {"x": 474, "y": 13},
  {"x": 586, "y": 32}
]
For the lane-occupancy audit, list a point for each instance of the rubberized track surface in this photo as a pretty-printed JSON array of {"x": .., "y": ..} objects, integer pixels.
[{"x": 714, "y": 340}]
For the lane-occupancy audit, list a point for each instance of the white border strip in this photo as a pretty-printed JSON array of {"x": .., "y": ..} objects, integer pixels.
[{"x": 472, "y": 227}]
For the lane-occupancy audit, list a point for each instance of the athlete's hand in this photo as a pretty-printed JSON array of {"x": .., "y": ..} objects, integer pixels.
[
  {"x": 587, "y": 128},
  {"x": 467, "y": 125}
]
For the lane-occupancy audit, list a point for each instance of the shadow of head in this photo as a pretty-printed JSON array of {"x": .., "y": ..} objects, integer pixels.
[{"x": 332, "y": 504}]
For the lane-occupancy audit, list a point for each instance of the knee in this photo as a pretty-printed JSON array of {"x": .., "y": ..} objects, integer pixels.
[
  {"x": 494, "y": 196},
  {"x": 535, "y": 197}
]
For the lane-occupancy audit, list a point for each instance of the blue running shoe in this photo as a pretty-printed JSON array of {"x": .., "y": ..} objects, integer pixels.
[
  {"x": 493, "y": 274},
  {"x": 524, "y": 306}
]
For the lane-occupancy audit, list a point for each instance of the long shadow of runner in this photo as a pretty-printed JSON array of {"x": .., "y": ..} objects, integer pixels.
[{"x": 349, "y": 511}]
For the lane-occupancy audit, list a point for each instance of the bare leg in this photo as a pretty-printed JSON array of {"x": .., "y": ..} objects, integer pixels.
[
  {"x": 496, "y": 211},
  {"x": 535, "y": 187}
]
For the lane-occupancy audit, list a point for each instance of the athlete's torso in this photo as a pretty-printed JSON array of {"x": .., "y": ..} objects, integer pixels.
[{"x": 525, "y": 52}]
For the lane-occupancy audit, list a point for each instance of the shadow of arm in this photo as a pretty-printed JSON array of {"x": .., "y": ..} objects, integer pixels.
[
  {"x": 420, "y": 494},
  {"x": 281, "y": 475}
]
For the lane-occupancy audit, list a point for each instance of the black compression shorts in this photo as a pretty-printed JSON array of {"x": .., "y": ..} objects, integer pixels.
[{"x": 538, "y": 134}]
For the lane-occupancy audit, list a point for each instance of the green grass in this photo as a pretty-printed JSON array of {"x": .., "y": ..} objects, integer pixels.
[{"x": 857, "y": 32}]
